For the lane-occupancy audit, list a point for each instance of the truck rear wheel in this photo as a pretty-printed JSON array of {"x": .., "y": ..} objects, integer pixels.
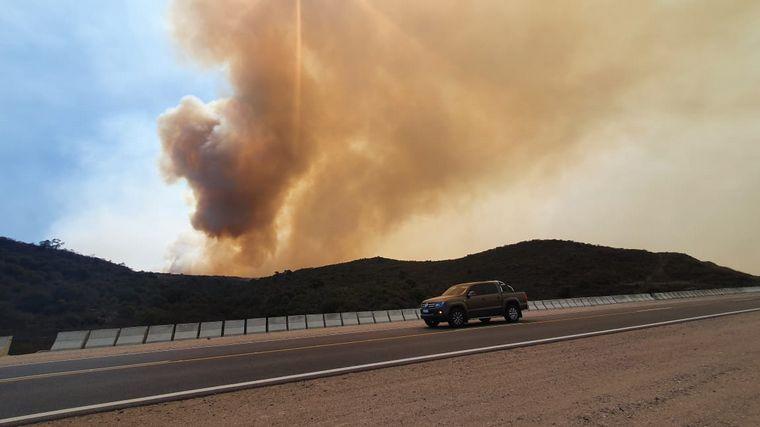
[
  {"x": 457, "y": 318},
  {"x": 431, "y": 323},
  {"x": 512, "y": 313}
]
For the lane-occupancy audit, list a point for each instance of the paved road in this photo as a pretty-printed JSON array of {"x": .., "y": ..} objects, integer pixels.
[{"x": 44, "y": 387}]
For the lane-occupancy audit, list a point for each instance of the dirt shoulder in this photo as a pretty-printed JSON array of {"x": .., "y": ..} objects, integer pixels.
[{"x": 696, "y": 373}]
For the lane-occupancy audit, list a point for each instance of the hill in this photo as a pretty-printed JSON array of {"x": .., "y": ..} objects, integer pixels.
[{"x": 45, "y": 290}]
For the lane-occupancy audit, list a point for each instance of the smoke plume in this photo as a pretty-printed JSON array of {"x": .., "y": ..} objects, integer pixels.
[{"x": 350, "y": 118}]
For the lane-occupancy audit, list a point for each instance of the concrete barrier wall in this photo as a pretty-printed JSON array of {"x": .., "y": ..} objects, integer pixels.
[
  {"x": 365, "y": 317},
  {"x": 332, "y": 319},
  {"x": 349, "y": 318},
  {"x": 5, "y": 345},
  {"x": 73, "y": 340},
  {"x": 186, "y": 331},
  {"x": 395, "y": 315},
  {"x": 275, "y": 324},
  {"x": 296, "y": 322},
  {"x": 102, "y": 338},
  {"x": 133, "y": 335},
  {"x": 259, "y": 325},
  {"x": 211, "y": 329},
  {"x": 410, "y": 314},
  {"x": 381, "y": 316},
  {"x": 161, "y": 333},
  {"x": 314, "y": 321},
  {"x": 234, "y": 327}
]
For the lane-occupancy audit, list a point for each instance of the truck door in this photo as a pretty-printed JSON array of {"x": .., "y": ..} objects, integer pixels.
[
  {"x": 484, "y": 300},
  {"x": 494, "y": 299}
]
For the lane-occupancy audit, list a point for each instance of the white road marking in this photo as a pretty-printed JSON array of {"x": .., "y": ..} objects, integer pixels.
[
  {"x": 653, "y": 309},
  {"x": 329, "y": 372}
]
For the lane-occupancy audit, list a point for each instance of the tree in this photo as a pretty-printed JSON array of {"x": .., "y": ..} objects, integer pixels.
[{"x": 51, "y": 244}]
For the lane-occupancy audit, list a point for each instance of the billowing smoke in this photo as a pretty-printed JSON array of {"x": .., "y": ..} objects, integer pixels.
[{"x": 350, "y": 118}]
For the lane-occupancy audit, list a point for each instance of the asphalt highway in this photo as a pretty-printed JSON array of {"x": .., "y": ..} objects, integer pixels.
[{"x": 85, "y": 385}]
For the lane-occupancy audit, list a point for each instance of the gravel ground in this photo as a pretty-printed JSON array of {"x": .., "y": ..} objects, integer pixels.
[{"x": 696, "y": 373}]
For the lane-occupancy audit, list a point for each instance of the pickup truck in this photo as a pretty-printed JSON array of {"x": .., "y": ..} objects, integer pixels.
[{"x": 481, "y": 300}]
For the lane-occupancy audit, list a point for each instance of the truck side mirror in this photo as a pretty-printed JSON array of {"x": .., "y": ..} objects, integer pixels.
[{"x": 470, "y": 294}]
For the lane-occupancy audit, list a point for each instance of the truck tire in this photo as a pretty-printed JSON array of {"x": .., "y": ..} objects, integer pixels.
[
  {"x": 431, "y": 323},
  {"x": 457, "y": 318},
  {"x": 512, "y": 313},
  {"x": 485, "y": 319}
]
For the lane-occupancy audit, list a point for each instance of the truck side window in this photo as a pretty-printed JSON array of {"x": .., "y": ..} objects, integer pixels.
[
  {"x": 485, "y": 289},
  {"x": 507, "y": 289}
]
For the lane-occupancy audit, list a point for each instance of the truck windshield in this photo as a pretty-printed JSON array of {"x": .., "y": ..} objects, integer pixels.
[{"x": 455, "y": 290}]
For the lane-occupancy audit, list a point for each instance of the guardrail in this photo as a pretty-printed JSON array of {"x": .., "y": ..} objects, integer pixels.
[{"x": 73, "y": 340}]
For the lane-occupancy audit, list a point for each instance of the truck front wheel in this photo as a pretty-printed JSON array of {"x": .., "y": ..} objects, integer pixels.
[
  {"x": 457, "y": 318},
  {"x": 512, "y": 313}
]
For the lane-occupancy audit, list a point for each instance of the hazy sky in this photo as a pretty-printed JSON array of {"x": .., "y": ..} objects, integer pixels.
[
  {"x": 83, "y": 83},
  {"x": 423, "y": 133}
]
